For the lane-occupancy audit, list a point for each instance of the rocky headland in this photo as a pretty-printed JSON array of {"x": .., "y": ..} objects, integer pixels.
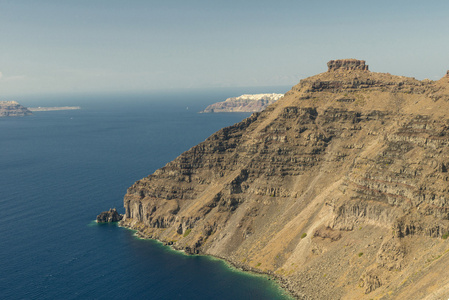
[
  {"x": 13, "y": 109},
  {"x": 340, "y": 189},
  {"x": 243, "y": 103}
]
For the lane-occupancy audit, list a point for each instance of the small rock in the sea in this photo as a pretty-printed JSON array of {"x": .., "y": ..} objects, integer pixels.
[{"x": 109, "y": 216}]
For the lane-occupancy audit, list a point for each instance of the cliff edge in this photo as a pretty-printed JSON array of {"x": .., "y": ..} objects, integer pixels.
[{"x": 340, "y": 189}]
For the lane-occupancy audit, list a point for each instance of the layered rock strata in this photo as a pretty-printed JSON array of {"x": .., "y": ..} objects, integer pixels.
[
  {"x": 346, "y": 65},
  {"x": 340, "y": 189},
  {"x": 243, "y": 103},
  {"x": 13, "y": 109}
]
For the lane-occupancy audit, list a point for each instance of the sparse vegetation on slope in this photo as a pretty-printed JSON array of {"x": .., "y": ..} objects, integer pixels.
[{"x": 355, "y": 158}]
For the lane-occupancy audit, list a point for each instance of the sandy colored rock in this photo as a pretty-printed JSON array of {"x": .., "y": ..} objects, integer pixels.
[{"x": 340, "y": 189}]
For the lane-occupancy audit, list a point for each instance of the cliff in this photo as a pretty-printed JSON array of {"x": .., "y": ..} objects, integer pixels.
[
  {"x": 243, "y": 103},
  {"x": 340, "y": 189},
  {"x": 13, "y": 109}
]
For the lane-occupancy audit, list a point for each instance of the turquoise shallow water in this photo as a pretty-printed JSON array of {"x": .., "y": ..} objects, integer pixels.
[{"x": 58, "y": 170}]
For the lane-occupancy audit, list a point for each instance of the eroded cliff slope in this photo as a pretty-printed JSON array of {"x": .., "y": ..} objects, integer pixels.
[{"x": 340, "y": 188}]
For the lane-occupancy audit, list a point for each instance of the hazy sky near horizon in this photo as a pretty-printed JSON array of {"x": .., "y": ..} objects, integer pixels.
[{"x": 62, "y": 46}]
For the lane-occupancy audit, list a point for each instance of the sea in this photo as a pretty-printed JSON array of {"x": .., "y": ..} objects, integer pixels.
[{"x": 59, "y": 169}]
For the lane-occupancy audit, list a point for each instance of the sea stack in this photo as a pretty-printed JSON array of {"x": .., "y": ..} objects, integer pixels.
[
  {"x": 109, "y": 216},
  {"x": 339, "y": 189}
]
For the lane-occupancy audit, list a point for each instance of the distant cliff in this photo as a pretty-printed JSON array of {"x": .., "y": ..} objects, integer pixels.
[
  {"x": 13, "y": 109},
  {"x": 340, "y": 188},
  {"x": 243, "y": 103}
]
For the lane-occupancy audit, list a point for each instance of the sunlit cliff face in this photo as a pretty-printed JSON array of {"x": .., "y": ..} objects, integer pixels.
[{"x": 339, "y": 188}]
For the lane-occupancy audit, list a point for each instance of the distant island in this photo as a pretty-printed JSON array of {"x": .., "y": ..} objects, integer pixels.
[
  {"x": 53, "y": 108},
  {"x": 243, "y": 103},
  {"x": 13, "y": 109}
]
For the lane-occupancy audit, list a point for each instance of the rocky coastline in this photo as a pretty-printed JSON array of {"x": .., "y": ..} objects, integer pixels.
[
  {"x": 339, "y": 189},
  {"x": 282, "y": 282}
]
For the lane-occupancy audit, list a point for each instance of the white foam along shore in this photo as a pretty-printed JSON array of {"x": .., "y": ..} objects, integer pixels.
[{"x": 232, "y": 266}]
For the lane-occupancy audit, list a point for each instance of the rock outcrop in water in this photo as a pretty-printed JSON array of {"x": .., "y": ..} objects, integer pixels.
[
  {"x": 340, "y": 189},
  {"x": 13, "y": 109},
  {"x": 109, "y": 216},
  {"x": 243, "y": 103}
]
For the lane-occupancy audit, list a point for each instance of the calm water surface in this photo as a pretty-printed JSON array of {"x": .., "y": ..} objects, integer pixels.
[{"x": 58, "y": 170}]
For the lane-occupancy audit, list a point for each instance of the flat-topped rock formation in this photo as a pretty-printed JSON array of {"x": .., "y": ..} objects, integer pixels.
[
  {"x": 13, "y": 109},
  {"x": 243, "y": 103},
  {"x": 340, "y": 189},
  {"x": 346, "y": 65}
]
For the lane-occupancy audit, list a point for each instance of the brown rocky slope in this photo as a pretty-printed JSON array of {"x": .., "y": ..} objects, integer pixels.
[{"x": 340, "y": 189}]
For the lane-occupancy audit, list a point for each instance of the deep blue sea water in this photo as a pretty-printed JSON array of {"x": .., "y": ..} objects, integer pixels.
[{"x": 58, "y": 170}]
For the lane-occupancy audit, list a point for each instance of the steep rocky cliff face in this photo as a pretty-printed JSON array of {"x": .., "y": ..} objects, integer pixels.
[
  {"x": 340, "y": 189},
  {"x": 13, "y": 109}
]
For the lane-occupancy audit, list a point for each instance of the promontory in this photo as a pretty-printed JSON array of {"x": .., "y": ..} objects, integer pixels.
[
  {"x": 243, "y": 103},
  {"x": 340, "y": 189},
  {"x": 13, "y": 109}
]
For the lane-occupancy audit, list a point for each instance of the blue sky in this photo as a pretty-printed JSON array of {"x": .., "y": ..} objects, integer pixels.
[{"x": 64, "y": 46}]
